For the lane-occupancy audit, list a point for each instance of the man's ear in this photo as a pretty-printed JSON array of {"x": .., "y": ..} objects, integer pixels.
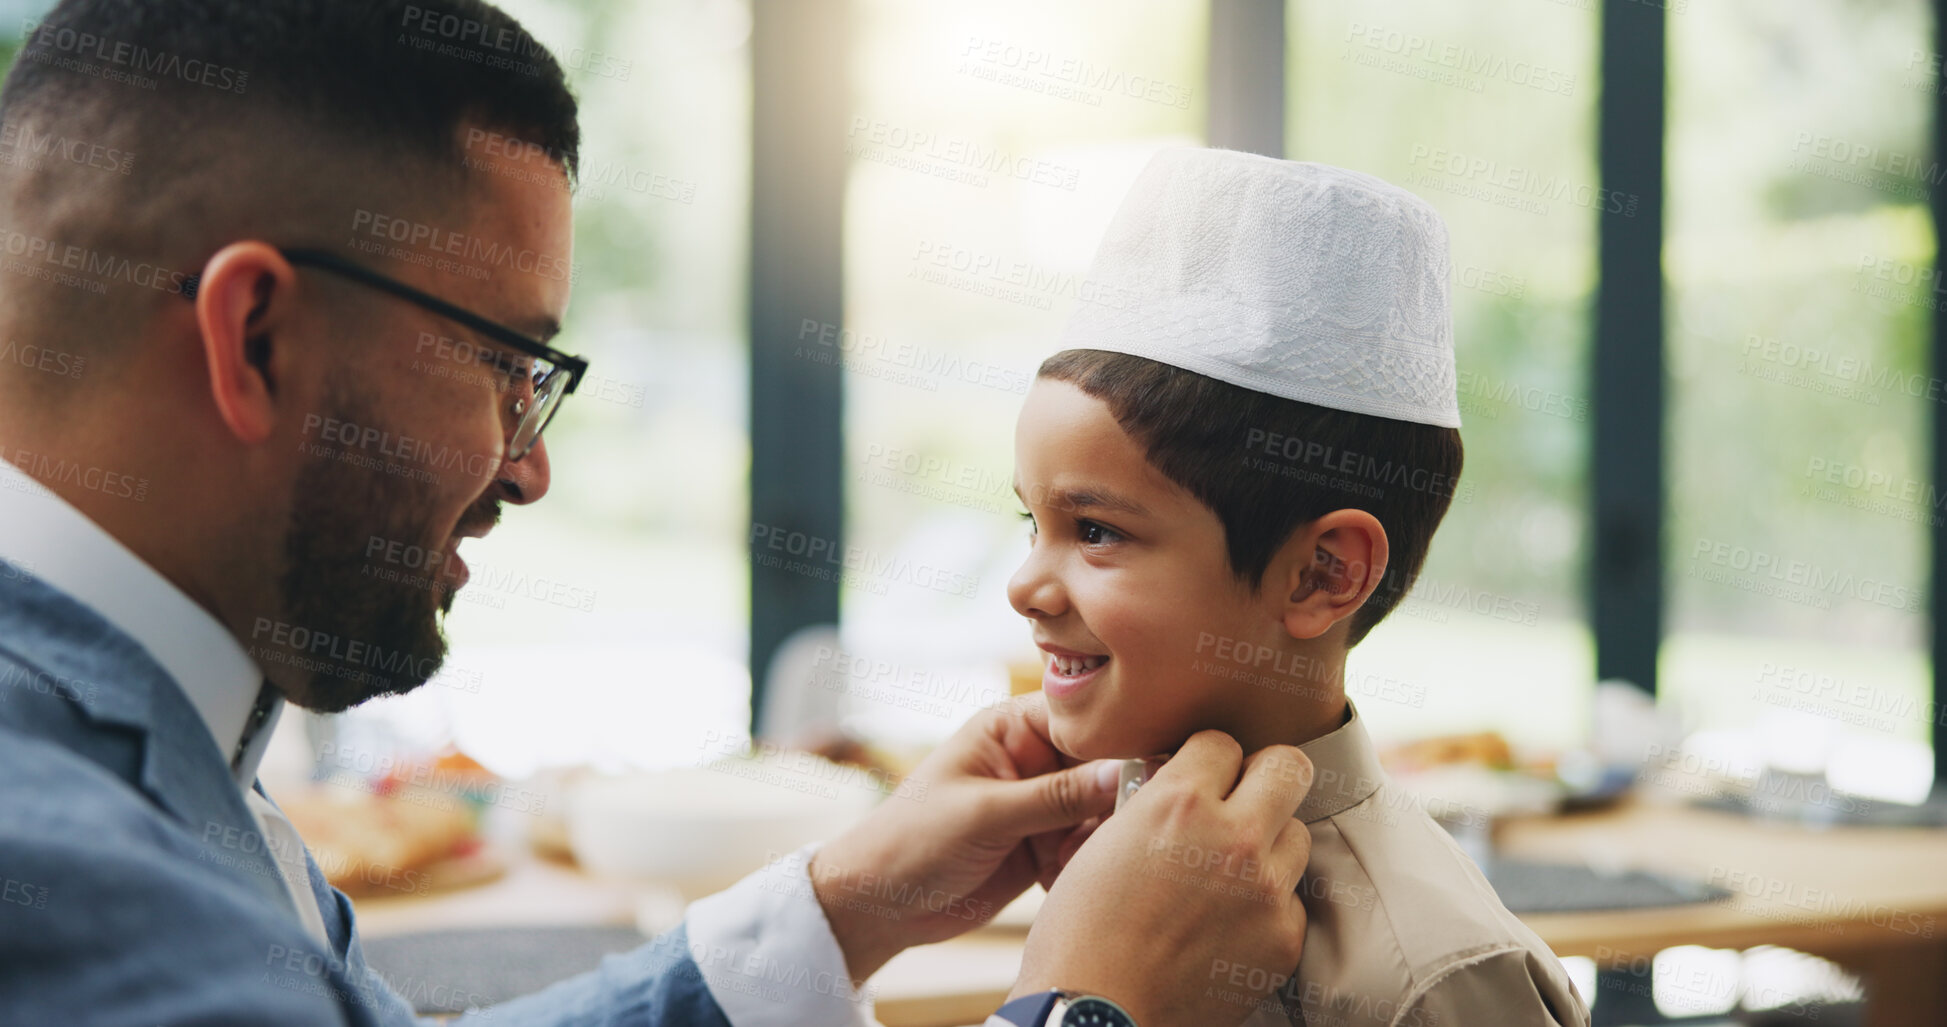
[
  {"x": 1329, "y": 568},
  {"x": 247, "y": 294}
]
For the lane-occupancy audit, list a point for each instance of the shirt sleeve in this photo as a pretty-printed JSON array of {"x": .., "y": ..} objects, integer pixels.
[
  {"x": 655, "y": 984},
  {"x": 112, "y": 914},
  {"x": 1507, "y": 988},
  {"x": 758, "y": 954},
  {"x": 768, "y": 954}
]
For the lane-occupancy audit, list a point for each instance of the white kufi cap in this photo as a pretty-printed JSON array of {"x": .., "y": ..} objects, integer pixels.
[{"x": 1299, "y": 280}]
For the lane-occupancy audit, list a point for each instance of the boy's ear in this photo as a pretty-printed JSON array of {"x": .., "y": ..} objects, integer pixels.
[{"x": 1330, "y": 567}]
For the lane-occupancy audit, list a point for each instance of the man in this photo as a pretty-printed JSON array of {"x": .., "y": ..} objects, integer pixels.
[{"x": 269, "y": 309}]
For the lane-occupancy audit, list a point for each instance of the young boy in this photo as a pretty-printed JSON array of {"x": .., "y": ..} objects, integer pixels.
[{"x": 1233, "y": 471}]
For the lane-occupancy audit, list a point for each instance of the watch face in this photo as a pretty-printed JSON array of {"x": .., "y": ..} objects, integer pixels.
[{"x": 1095, "y": 1012}]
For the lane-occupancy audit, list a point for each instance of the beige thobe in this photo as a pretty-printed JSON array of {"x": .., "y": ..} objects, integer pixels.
[{"x": 1404, "y": 930}]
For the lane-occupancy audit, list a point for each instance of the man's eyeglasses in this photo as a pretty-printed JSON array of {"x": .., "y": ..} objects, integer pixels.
[{"x": 549, "y": 374}]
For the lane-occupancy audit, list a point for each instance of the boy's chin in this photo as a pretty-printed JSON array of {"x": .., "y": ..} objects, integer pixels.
[{"x": 1083, "y": 739}]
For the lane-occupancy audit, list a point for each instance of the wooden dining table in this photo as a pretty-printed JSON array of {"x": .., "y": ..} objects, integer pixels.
[{"x": 1873, "y": 899}]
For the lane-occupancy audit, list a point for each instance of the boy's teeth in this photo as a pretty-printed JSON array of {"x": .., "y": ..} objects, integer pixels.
[{"x": 1071, "y": 666}]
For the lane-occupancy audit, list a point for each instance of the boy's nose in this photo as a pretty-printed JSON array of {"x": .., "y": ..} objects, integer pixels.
[{"x": 1034, "y": 593}]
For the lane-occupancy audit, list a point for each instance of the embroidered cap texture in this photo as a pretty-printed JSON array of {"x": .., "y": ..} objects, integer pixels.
[{"x": 1301, "y": 280}]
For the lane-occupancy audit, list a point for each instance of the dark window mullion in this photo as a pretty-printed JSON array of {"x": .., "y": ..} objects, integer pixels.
[
  {"x": 800, "y": 101},
  {"x": 1937, "y": 564},
  {"x": 1626, "y": 457}
]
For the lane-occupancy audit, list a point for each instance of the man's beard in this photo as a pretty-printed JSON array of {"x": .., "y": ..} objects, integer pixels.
[{"x": 360, "y": 627}]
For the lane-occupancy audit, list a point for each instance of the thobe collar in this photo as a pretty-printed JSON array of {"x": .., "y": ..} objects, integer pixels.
[{"x": 1345, "y": 769}]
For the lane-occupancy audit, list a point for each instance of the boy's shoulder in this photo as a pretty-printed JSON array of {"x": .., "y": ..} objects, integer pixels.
[
  {"x": 1404, "y": 930},
  {"x": 1408, "y": 927}
]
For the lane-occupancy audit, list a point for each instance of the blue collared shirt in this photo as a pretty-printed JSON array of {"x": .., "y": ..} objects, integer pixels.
[{"x": 136, "y": 885}]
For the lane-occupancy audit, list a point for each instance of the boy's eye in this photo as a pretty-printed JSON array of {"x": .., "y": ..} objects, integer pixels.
[
  {"x": 1094, "y": 534},
  {"x": 1028, "y": 517}
]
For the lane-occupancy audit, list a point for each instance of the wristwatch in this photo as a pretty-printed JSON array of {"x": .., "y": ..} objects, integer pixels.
[{"x": 1058, "y": 1008}]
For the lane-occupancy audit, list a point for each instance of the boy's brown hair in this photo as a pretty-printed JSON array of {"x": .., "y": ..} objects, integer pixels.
[{"x": 1266, "y": 465}]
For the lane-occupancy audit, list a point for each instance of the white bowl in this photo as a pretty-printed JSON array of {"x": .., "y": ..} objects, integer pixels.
[{"x": 700, "y": 829}]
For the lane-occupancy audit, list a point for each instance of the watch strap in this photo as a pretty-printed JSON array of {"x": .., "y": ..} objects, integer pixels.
[{"x": 1030, "y": 1010}]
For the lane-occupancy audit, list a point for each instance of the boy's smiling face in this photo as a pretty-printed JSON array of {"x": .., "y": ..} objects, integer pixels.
[{"x": 1126, "y": 582}]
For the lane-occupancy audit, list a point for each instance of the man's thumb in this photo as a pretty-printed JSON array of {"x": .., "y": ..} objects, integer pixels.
[{"x": 1056, "y": 800}]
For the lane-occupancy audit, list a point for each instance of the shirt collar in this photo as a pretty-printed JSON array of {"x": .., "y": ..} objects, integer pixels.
[
  {"x": 1345, "y": 769},
  {"x": 59, "y": 545}
]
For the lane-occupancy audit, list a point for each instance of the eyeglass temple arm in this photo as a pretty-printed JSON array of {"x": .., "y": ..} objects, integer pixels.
[{"x": 326, "y": 261}]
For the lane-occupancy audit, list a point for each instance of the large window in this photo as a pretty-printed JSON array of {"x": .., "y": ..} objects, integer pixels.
[
  {"x": 1799, "y": 256},
  {"x": 607, "y": 623},
  {"x": 1487, "y": 112},
  {"x": 990, "y": 144}
]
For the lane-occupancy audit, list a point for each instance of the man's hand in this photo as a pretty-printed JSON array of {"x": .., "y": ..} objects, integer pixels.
[
  {"x": 1190, "y": 882},
  {"x": 994, "y": 809}
]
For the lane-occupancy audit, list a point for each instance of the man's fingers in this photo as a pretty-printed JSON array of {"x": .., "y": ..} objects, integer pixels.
[
  {"x": 1075, "y": 840},
  {"x": 1291, "y": 851},
  {"x": 1275, "y": 781},
  {"x": 1033, "y": 707},
  {"x": 1053, "y": 850},
  {"x": 1029, "y": 712},
  {"x": 1021, "y": 728},
  {"x": 1208, "y": 762},
  {"x": 1051, "y": 801}
]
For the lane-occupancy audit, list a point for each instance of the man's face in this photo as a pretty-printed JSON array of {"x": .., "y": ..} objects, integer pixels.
[
  {"x": 1127, "y": 585},
  {"x": 405, "y": 455},
  {"x": 334, "y": 592}
]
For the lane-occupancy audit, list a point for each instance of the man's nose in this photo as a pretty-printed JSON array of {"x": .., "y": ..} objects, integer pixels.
[{"x": 525, "y": 480}]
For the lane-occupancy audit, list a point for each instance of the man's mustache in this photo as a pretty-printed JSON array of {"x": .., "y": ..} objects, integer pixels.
[{"x": 479, "y": 519}]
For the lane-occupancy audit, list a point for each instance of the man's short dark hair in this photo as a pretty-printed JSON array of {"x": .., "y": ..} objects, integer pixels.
[
  {"x": 1267, "y": 466},
  {"x": 396, "y": 75},
  {"x": 279, "y": 120}
]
